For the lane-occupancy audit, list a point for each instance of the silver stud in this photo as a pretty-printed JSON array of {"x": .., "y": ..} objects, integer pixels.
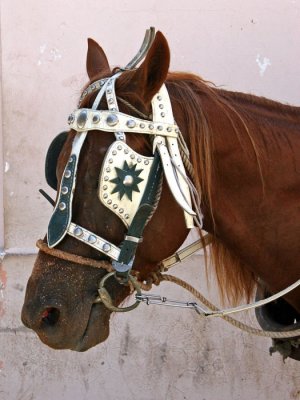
[
  {"x": 110, "y": 101},
  {"x": 105, "y": 187},
  {"x": 163, "y": 114},
  {"x": 109, "y": 201},
  {"x": 161, "y": 106},
  {"x": 93, "y": 86},
  {"x": 151, "y": 126},
  {"x": 107, "y": 169},
  {"x": 160, "y": 128},
  {"x": 114, "y": 152},
  {"x": 105, "y": 196},
  {"x": 115, "y": 206},
  {"x": 131, "y": 123},
  {"x": 106, "y": 247},
  {"x": 121, "y": 137},
  {"x": 92, "y": 239},
  {"x": 139, "y": 159},
  {"x": 132, "y": 156},
  {"x": 78, "y": 231},
  {"x": 169, "y": 129},
  {"x": 119, "y": 147},
  {"x": 146, "y": 162},
  {"x": 159, "y": 98},
  {"x": 62, "y": 206},
  {"x": 106, "y": 178},
  {"x": 110, "y": 160},
  {"x": 82, "y": 118},
  {"x": 64, "y": 190},
  {"x": 71, "y": 119},
  {"x": 142, "y": 125},
  {"x": 112, "y": 120},
  {"x": 121, "y": 210},
  {"x": 109, "y": 91},
  {"x": 126, "y": 216},
  {"x": 96, "y": 118},
  {"x": 68, "y": 173},
  {"x": 126, "y": 151},
  {"x": 128, "y": 180}
]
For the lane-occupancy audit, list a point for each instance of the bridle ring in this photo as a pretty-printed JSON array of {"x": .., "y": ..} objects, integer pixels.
[{"x": 105, "y": 298}]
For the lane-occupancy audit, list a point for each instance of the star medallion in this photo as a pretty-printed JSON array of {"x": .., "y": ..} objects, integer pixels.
[{"x": 127, "y": 180}]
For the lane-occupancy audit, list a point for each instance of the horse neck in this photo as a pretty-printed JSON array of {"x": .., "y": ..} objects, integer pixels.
[{"x": 252, "y": 166}]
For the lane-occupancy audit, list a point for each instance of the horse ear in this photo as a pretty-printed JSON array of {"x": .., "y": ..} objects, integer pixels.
[
  {"x": 96, "y": 60},
  {"x": 152, "y": 73}
]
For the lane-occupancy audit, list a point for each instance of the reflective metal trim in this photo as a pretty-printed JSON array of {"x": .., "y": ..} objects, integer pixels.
[{"x": 97, "y": 242}]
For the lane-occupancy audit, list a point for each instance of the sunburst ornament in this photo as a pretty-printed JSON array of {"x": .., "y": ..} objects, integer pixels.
[{"x": 127, "y": 180}]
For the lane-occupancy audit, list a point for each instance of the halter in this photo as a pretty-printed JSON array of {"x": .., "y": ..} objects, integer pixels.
[{"x": 130, "y": 183}]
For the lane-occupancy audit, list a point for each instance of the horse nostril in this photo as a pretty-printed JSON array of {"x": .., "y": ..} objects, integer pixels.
[{"x": 50, "y": 316}]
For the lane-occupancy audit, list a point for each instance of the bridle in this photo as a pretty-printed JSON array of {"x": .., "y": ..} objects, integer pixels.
[{"x": 130, "y": 184}]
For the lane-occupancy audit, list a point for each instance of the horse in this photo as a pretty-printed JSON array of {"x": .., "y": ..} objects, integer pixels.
[{"x": 245, "y": 154}]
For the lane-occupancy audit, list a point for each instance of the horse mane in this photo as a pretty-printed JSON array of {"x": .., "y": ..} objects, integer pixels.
[{"x": 188, "y": 91}]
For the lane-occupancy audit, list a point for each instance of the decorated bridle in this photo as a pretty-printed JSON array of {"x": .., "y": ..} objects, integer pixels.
[{"x": 130, "y": 183}]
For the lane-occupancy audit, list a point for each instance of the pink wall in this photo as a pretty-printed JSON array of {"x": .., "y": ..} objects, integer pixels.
[{"x": 251, "y": 46}]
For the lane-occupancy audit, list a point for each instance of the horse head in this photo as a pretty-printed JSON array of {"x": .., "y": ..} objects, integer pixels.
[{"x": 60, "y": 298}]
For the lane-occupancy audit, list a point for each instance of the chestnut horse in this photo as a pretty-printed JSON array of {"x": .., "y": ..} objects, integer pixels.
[{"x": 245, "y": 151}]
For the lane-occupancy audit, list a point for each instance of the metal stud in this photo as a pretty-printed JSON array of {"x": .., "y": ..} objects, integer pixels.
[
  {"x": 142, "y": 125},
  {"x": 151, "y": 126},
  {"x": 160, "y": 128},
  {"x": 146, "y": 162},
  {"x": 105, "y": 187},
  {"x": 110, "y": 101},
  {"x": 71, "y": 119},
  {"x": 119, "y": 147},
  {"x": 132, "y": 156},
  {"x": 163, "y": 114},
  {"x": 78, "y": 231},
  {"x": 64, "y": 190},
  {"x": 161, "y": 106},
  {"x": 126, "y": 216},
  {"x": 107, "y": 169},
  {"x": 115, "y": 206},
  {"x": 82, "y": 118},
  {"x": 105, "y": 196},
  {"x": 159, "y": 98},
  {"x": 109, "y": 201},
  {"x": 68, "y": 173},
  {"x": 131, "y": 123},
  {"x": 110, "y": 160},
  {"x": 112, "y": 120},
  {"x": 108, "y": 91},
  {"x": 169, "y": 129},
  {"x": 71, "y": 160},
  {"x": 139, "y": 160},
  {"x": 106, "y": 178},
  {"x": 96, "y": 118},
  {"x": 121, "y": 210},
  {"x": 106, "y": 247},
  {"x": 126, "y": 151},
  {"x": 128, "y": 180},
  {"x": 62, "y": 206},
  {"x": 92, "y": 239},
  {"x": 114, "y": 152}
]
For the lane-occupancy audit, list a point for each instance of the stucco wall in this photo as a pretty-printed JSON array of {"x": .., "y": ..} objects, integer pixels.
[{"x": 151, "y": 353}]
